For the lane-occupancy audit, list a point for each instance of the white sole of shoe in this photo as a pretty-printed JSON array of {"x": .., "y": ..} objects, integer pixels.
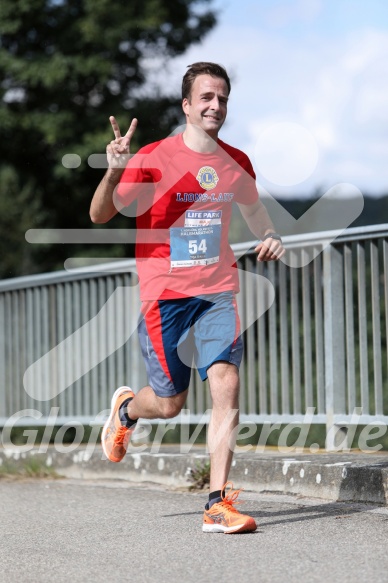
[{"x": 220, "y": 528}]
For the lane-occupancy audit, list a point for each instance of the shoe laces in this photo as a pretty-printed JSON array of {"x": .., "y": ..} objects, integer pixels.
[
  {"x": 229, "y": 498},
  {"x": 120, "y": 435}
]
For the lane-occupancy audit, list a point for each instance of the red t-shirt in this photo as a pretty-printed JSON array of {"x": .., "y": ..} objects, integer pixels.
[{"x": 184, "y": 208}]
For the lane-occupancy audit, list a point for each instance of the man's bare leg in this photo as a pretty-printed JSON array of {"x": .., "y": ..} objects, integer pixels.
[
  {"x": 148, "y": 405},
  {"x": 224, "y": 388},
  {"x": 220, "y": 514}
]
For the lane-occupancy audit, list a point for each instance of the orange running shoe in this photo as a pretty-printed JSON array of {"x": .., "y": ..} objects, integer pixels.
[
  {"x": 115, "y": 436},
  {"x": 223, "y": 516}
]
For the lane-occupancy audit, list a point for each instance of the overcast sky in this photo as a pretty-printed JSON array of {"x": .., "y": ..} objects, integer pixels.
[{"x": 309, "y": 100}]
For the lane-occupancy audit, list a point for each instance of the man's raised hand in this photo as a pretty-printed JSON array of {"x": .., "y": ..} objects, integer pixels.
[{"x": 118, "y": 150}]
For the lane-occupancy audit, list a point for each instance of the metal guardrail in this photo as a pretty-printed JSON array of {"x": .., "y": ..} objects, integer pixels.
[{"x": 321, "y": 347}]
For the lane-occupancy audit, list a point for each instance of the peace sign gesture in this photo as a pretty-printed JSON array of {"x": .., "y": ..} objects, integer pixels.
[{"x": 118, "y": 150}]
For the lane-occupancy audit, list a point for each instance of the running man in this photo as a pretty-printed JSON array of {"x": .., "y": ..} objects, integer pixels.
[{"x": 185, "y": 186}]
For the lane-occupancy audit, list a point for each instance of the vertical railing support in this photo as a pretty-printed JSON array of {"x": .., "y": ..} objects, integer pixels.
[{"x": 334, "y": 328}]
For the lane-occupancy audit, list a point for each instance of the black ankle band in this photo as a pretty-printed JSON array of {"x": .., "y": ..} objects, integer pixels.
[
  {"x": 215, "y": 494},
  {"x": 124, "y": 417}
]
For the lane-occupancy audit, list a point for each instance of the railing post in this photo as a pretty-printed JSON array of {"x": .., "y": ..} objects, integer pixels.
[{"x": 334, "y": 327}]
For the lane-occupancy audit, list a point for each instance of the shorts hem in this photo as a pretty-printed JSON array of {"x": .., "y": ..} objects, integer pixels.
[
  {"x": 164, "y": 394},
  {"x": 204, "y": 375}
]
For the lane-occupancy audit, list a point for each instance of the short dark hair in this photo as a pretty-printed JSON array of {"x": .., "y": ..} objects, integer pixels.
[{"x": 202, "y": 68}]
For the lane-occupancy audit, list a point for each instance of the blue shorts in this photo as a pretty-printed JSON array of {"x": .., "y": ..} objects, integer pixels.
[{"x": 173, "y": 333}]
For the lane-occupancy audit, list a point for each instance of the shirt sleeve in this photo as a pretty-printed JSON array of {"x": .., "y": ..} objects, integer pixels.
[
  {"x": 247, "y": 192},
  {"x": 138, "y": 178},
  {"x": 245, "y": 189}
]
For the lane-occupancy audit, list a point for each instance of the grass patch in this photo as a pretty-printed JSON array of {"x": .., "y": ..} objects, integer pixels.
[
  {"x": 200, "y": 475},
  {"x": 172, "y": 433},
  {"x": 30, "y": 468},
  {"x": 36, "y": 435}
]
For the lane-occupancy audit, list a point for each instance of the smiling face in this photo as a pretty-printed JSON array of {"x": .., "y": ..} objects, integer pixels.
[{"x": 207, "y": 105}]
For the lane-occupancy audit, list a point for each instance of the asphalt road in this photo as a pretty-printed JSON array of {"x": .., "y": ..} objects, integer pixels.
[{"x": 90, "y": 531}]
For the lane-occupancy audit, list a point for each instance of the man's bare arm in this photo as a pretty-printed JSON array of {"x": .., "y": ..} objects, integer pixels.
[
  {"x": 259, "y": 222},
  {"x": 102, "y": 207}
]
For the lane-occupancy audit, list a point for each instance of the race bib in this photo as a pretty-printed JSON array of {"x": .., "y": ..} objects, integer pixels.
[{"x": 198, "y": 242}]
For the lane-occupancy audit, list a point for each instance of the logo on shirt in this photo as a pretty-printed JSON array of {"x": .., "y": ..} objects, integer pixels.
[{"x": 207, "y": 177}]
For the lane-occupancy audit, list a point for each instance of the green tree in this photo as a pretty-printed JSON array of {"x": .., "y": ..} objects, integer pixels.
[{"x": 66, "y": 65}]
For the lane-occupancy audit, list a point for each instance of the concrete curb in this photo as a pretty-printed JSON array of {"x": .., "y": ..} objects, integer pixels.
[{"x": 354, "y": 477}]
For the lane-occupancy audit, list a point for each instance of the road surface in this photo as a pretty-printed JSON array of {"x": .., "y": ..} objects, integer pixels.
[{"x": 93, "y": 531}]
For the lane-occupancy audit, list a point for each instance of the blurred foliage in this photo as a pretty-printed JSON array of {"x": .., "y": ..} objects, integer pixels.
[
  {"x": 65, "y": 67},
  {"x": 375, "y": 212}
]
